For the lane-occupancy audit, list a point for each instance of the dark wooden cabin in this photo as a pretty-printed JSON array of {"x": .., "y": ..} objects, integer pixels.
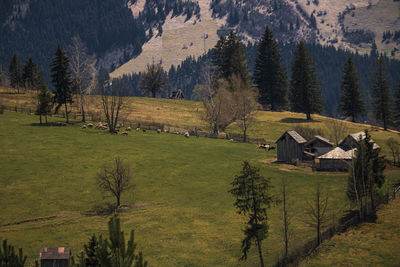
[
  {"x": 319, "y": 146},
  {"x": 290, "y": 147},
  {"x": 351, "y": 141},
  {"x": 177, "y": 95},
  {"x": 55, "y": 257}
]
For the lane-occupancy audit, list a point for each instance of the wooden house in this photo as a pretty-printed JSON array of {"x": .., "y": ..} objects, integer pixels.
[
  {"x": 336, "y": 160},
  {"x": 351, "y": 141},
  {"x": 177, "y": 95},
  {"x": 55, "y": 257},
  {"x": 290, "y": 147},
  {"x": 318, "y": 146}
]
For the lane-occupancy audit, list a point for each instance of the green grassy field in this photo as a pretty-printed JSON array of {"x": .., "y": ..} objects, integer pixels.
[
  {"x": 370, "y": 244},
  {"x": 180, "y": 209}
]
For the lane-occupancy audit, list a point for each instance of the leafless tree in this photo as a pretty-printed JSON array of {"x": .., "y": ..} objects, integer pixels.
[
  {"x": 245, "y": 104},
  {"x": 83, "y": 70},
  {"x": 285, "y": 218},
  {"x": 153, "y": 80},
  {"x": 395, "y": 149},
  {"x": 317, "y": 213},
  {"x": 115, "y": 179},
  {"x": 217, "y": 100},
  {"x": 337, "y": 129},
  {"x": 112, "y": 98}
]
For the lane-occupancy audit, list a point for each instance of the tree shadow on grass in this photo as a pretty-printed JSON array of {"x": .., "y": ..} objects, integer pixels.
[
  {"x": 296, "y": 120},
  {"x": 49, "y": 124},
  {"x": 105, "y": 209}
]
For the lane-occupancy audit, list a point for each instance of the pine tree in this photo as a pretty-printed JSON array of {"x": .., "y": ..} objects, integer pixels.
[
  {"x": 269, "y": 74},
  {"x": 1, "y": 75},
  {"x": 381, "y": 96},
  {"x": 29, "y": 72},
  {"x": 351, "y": 103},
  {"x": 305, "y": 93},
  {"x": 397, "y": 105},
  {"x": 61, "y": 80},
  {"x": 251, "y": 191},
  {"x": 45, "y": 99},
  {"x": 14, "y": 73}
]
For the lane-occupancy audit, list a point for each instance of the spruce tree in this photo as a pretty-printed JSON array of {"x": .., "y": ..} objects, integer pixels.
[
  {"x": 1, "y": 75},
  {"x": 61, "y": 80},
  {"x": 28, "y": 74},
  {"x": 305, "y": 93},
  {"x": 251, "y": 191},
  {"x": 351, "y": 102},
  {"x": 14, "y": 73},
  {"x": 45, "y": 98},
  {"x": 269, "y": 74},
  {"x": 397, "y": 105},
  {"x": 381, "y": 96}
]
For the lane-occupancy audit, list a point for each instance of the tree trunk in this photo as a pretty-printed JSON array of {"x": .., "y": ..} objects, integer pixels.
[
  {"x": 260, "y": 252},
  {"x": 66, "y": 112},
  {"x": 40, "y": 115},
  {"x": 83, "y": 108},
  {"x": 308, "y": 116},
  {"x": 153, "y": 94},
  {"x": 118, "y": 201}
]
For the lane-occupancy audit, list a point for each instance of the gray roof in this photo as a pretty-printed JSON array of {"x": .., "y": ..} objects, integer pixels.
[
  {"x": 339, "y": 153},
  {"x": 55, "y": 253},
  {"x": 322, "y": 139},
  {"x": 295, "y": 135},
  {"x": 360, "y": 136}
]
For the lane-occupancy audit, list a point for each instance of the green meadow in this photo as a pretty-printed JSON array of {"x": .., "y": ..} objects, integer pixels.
[{"x": 180, "y": 209}]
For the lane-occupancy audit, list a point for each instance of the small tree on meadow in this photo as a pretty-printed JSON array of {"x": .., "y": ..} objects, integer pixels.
[
  {"x": 153, "y": 80},
  {"x": 15, "y": 73},
  {"x": 45, "y": 99},
  {"x": 252, "y": 199},
  {"x": 115, "y": 179}
]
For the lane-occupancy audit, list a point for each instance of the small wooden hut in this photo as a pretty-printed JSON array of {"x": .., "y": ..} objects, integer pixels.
[
  {"x": 336, "y": 160},
  {"x": 55, "y": 257},
  {"x": 290, "y": 147},
  {"x": 351, "y": 141},
  {"x": 319, "y": 146},
  {"x": 177, "y": 95}
]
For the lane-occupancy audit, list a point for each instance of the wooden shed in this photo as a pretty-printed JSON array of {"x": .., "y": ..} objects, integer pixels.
[
  {"x": 319, "y": 146},
  {"x": 290, "y": 146},
  {"x": 177, "y": 95},
  {"x": 351, "y": 141},
  {"x": 55, "y": 257},
  {"x": 336, "y": 160}
]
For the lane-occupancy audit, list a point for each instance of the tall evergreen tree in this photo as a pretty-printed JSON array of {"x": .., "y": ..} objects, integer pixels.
[
  {"x": 45, "y": 98},
  {"x": 28, "y": 74},
  {"x": 251, "y": 191},
  {"x": 229, "y": 59},
  {"x": 381, "y": 96},
  {"x": 61, "y": 80},
  {"x": 14, "y": 73},
  {"x": 305, "y": 93},
  {"x": 351, "y": 102},
  {"x": 269, "y": 74},
  {"x": 1, "y": 75},
  {"x": 397, "y": 105}
]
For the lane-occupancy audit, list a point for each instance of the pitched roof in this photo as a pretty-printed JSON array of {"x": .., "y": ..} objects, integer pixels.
[
  {"x": 360, "y": 136},
  {"x": 322, "y": 139},
  {"x": 338, "y": 153},
  {"x": 295, "y": 135},
  {"x": 54, "y": 253}
]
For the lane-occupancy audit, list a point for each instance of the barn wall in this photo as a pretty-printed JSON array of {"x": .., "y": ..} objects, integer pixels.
[
  {"x": 288, "y": 149},
  {"x": 333, "y": 165}
]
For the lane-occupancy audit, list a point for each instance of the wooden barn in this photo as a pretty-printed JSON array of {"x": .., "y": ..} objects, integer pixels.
[
  {"x": 336, "y": 160},
  {"x": 290, "y": 147},
  {"x": 351, "y": 141},
  {"x": 55, "y": 257},
  {"x": 319, "y": 146}
]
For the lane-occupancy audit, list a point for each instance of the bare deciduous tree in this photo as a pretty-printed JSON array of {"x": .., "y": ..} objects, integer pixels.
[
  {"x": 285, "y": 218},
  {"x": 153, "y": 80},
  {"x": 245, "y": 104},
  {"x": 395, "y": 149},
  {"x": 83, "y": 70},
  {"x": 337, "y": 129},
  {"x": 317, "y": 215},
  {"x": 112, "y": 98},
  {"x": 115, "y": 179}
]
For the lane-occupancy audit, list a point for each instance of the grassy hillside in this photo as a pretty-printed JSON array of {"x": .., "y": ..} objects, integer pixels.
[
  {"x": 188, "y": 114},
  {"x": 367, "y": 245}
]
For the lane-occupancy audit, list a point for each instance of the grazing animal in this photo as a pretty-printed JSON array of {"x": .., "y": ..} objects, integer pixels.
[
  {"x": 124, "y": 133},
  {"x": 144, "y": 130},
  {"x": 137, "y": 129},
  {"x": 158, "y": 130},
  {"x": 187, "y": 134},
  {"x": 83, "y": 126},
  {"x": 128, "y": 129},
  {"x": 263, "y": 146},
  {"x": 271, "y": 148},
  {"x": 231, "y": 140},
  {"x": 90, "y": 125}
]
